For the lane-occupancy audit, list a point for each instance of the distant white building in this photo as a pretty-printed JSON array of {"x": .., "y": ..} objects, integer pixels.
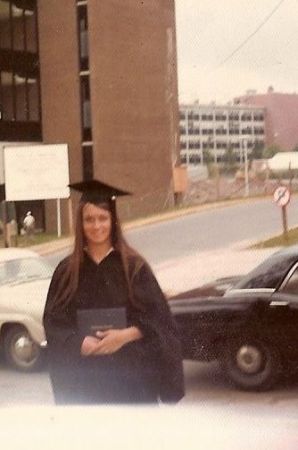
[
  {"x": 219, "y": 127},
  {"x": 283, "y": 161}
]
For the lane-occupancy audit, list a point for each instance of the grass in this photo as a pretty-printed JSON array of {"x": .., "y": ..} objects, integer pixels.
[
  {"x": 38, "y": 238},
  {"x": 280, "y": 240}
]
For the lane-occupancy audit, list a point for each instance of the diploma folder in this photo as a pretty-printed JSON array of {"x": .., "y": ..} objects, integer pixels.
[{"x": 89, "y": 321}]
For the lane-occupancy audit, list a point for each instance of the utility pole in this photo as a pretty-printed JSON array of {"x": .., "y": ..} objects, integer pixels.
[
  {"x": 246, "y": 168},
  {"x": 5, "y": 234},
  {"x": 187, "y": 137}
]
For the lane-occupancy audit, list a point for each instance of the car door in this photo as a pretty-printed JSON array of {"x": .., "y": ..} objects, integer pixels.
[{"x": 284, "y": 313}]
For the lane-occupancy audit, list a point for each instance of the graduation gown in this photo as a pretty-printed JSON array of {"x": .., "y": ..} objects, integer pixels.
[{"x": 143, "y": 371}]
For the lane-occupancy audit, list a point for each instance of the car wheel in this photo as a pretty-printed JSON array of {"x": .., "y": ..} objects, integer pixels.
[
  {"x": 20, "y": 351},
  {"x": 251, "y": 364}
]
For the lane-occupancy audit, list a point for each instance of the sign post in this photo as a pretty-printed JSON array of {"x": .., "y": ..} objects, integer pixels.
[{"x": 282, "y": 196}]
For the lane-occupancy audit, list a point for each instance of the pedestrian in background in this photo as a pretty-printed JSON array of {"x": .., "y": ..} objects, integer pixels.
[
  {"x": 29, "y": 225},
  {"x": 138, "y": 363}
]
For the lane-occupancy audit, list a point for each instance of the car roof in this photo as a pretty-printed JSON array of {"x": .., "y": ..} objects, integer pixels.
[{"x": 9, "y": 254}]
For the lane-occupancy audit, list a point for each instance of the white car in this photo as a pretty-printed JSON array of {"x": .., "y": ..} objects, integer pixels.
[{"x": 24, "y": 281}]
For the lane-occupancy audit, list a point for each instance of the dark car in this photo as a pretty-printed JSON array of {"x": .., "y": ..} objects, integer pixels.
[
  {"x": 216, "y": 288},
  {"x": 253, "y": 329}
]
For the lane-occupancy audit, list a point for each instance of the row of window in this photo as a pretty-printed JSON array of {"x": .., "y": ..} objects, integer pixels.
[
  {"x": 216, "y": 145},
  {"x": 222, "y": 131},
  {"x": 198, "y": 159},
  {"x": 222, "y": 117}
]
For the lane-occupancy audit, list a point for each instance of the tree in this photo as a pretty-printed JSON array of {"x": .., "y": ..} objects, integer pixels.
[
  {"x": 271, "y": 151},
  {"x": 257, "y": 152},
  {"x": 207, "y": 156},
  {"x": 295, "y": 149},
  {"x": 230, "y": 159}
]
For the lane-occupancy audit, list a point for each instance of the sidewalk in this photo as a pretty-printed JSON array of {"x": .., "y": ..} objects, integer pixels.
[{"x": 200, "y": 268}]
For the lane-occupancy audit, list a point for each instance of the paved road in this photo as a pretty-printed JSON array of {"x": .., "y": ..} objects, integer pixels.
[
  {"x": 205, "y": 383},
  {"x": 206, "y": 230},
  {"x": 210, "y": 229}
]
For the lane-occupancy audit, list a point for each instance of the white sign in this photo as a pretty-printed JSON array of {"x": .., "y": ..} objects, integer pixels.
[
  {"x": 36, "y": 172},
  {"x": 281, "y": 195}
]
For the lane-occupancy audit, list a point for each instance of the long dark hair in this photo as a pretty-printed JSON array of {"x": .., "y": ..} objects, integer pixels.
[{"x": 69, "y": 281}]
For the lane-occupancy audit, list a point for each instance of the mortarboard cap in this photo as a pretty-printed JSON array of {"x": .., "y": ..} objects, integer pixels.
[{"x": 95, "y": 191}]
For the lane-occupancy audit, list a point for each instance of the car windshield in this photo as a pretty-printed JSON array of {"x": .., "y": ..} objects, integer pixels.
[
  {"x": 269, "y": 274},
  {"x": 23, "y": 270}
]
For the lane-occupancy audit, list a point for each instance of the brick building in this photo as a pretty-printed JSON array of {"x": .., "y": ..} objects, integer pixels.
[
  {"x": 101, "y": 77},
  {"x": 281, "y": 123}
]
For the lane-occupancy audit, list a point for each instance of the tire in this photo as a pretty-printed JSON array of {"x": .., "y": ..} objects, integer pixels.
[
  {"x": 251, "y": 364},
  {"x": 20, "y": 351}
]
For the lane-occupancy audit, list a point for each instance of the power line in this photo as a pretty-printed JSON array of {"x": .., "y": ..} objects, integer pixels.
[{"x": 252, "y": 34}]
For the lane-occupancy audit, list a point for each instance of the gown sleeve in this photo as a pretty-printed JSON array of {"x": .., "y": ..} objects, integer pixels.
[
  {"x": 60, "y": 324},
  {"x": 159, "y": 328}
]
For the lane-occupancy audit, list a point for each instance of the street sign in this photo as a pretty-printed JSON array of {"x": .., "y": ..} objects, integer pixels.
[{"x": 281, "y": 196}]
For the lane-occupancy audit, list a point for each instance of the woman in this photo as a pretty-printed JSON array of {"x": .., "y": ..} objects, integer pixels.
[{"x": 139, "y": 362}]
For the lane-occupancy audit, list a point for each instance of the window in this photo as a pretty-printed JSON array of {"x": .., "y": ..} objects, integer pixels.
[
  {"x": 234, "y": 116},
  {"x": 208, "y": 145},
  {"x": 221, "y": 145},
  {"x": 5, "y": 25},
  {"x": 258, "y": 117},
  {"x": 194, "y": 159},
  {"x": 207, "y": 117},
  {"x": 234, "y": 131},
  {"x": 220, "y": 131},
  {"x": 7, "y": 96},
  {"x": 86, "y": 108},
  {"x": 207, "y": 131},
  {"x": 19, "y": 97},
  {"x": 87, "y": 162},
  {"x": 246, "y": 117},
  {"x": 83, "y": 36},
  {"x": 291, "y": 286}
]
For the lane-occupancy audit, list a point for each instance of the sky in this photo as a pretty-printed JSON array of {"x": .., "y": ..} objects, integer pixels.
[{"x": 209, "y": 31}]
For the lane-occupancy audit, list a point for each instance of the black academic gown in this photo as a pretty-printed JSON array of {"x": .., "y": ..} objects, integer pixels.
[{"x": 144, "y": 371}]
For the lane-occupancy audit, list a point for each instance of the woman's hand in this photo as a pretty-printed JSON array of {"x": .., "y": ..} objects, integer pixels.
[
  {"x": 112, "y": 340},
  {"x": 89, "y": 345}
]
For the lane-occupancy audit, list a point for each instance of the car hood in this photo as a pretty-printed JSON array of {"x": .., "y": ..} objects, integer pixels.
[{"x": 26, "y": 298}]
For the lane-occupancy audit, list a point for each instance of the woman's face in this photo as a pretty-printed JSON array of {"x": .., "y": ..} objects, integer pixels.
[{"x": 97, "y": 224}]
